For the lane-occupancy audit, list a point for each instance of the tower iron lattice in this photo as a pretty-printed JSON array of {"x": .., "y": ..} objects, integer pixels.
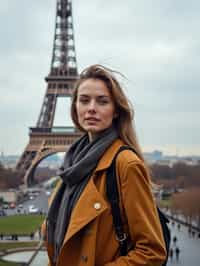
[{"x": 45, "y": 139}]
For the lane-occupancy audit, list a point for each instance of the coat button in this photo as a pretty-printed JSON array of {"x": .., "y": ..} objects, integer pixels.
[
  {"x": 97, "y": 206},
  {"x": 84, "y": 258}
]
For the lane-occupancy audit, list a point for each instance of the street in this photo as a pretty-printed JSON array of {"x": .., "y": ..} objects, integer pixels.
[{"x": 39, "y": 201}]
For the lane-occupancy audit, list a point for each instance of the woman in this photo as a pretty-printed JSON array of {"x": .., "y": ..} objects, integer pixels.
[{"x": 79, "y": 226}]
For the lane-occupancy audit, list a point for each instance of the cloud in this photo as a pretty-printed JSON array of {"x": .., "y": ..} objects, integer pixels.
[{"x": 155, "y": 44}]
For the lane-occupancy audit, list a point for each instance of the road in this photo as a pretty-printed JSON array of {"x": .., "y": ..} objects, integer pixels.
[{"x": 39, "y": 201}]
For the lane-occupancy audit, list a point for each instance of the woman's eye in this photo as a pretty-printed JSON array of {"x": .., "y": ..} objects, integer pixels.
[
  {"x": 83, "y": 100},
  {"x": 100, "y": 101},
  {"x": 103, "y": 101}
]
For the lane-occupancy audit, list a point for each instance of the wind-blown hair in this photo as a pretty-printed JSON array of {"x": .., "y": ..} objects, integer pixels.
[{"x": 124, "y": 121}]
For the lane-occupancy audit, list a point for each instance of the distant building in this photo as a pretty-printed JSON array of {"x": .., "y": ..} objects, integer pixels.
[
  {"x": 159, "y": 158},
  {"x": 11, "y": 195},
  {"x": 157, "y": 190},
  {"x": 189, "y": 161},
  {"x": 9, "y": 161},
  {"x": 153, "y": 156},
  {"x": 8, "y": 196},
  {"x": 166, "y": 162}
]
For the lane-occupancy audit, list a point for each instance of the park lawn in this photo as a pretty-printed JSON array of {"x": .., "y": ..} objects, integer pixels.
[
  {"x": 11, "y": 245},
  {"x": 20, "y": 224},
  {"x": 8, "y": 263},
  {"x": 165, "y": 203}
]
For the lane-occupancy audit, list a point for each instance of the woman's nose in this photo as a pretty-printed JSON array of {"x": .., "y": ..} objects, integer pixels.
[{"x": 92, "y": 106}]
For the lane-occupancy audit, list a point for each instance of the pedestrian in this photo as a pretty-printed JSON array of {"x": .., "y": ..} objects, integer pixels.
[
  {"x": 177, "y": 251},
  {"x": 31, "y": 235},
  {"x": 79, "y": 222},
  {"x": 179, "y": 226},
  {"x": 171, "y": 253},
  {"x": 174, "y": 240},
  {"x": 189, "y": 231}
]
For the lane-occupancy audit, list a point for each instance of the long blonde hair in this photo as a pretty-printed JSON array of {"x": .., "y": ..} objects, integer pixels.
[{"x": 125, "y": 119}]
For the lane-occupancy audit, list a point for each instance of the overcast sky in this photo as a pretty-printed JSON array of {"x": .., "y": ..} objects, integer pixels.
[{"x": 154, "y": 43}]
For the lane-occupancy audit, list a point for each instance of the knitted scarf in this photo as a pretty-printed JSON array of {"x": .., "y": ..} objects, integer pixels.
[{"x": 80, "y": 161}]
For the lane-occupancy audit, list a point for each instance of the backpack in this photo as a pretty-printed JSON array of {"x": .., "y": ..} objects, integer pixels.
[{"x": 113, "y": 197}]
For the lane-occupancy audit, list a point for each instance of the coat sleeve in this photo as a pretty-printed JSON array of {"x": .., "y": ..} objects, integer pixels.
[{"x": 143, "y": 221}]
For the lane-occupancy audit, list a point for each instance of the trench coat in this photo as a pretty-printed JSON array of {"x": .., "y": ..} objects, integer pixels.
[{"x": 90, "y": 238}]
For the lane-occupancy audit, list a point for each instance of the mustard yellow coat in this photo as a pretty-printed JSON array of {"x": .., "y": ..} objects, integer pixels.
[{"x": 90, "y": 239}]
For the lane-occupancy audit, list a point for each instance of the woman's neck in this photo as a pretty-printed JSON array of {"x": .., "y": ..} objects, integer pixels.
[{"x": 92, "y": 136}]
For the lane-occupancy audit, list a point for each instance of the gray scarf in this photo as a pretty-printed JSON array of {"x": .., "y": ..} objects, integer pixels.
[{"x": 79, "y": 163}]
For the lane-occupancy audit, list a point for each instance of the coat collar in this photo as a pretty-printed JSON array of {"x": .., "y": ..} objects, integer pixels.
[{"x": 109, "y": 154}]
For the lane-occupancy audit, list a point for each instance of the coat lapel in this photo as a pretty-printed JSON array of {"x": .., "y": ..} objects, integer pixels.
[{"x": 90, "y": 205}]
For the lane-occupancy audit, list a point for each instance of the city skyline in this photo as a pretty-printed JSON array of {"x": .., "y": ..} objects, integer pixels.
[{"x": 154, "y": 46}]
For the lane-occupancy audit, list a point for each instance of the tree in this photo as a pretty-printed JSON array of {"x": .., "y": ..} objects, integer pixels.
[
  {"x": 9, "y": 178},
  {"x": 180, "y": 175},
  {"x": 188, "y": 203}
]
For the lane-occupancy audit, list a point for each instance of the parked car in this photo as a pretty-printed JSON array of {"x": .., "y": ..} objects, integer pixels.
[
  {"x": 33, "y": 209},
  {"x": 19, "y": 208},
  {"x": 48, "y": 193},
  {"x": 5, "y": 206},
  {"x": 31, "y": 197},
  {"x": 12, "y": 205},
  {"x": 2, "y": 213}
]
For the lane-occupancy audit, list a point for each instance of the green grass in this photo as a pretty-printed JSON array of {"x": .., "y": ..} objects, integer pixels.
[
  {"x": 165, "y": 203},
  {"x": 8, "y": 263},
  {"x": 11, "y": 245},
  {"x": 20, "y": 224}
]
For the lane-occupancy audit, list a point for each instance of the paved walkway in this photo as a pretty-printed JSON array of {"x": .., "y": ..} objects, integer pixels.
[{"x": 189, "y": 247}]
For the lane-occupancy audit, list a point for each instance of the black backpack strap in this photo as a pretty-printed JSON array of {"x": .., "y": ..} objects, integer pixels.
[{"x": 113, "y": 197}]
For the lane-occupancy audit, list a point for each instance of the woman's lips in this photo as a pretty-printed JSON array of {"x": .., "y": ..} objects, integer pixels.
[{"x": 92, "y": 119}]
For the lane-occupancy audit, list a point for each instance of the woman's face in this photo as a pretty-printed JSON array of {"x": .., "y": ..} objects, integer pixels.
[{"x": 94, "y": 106}]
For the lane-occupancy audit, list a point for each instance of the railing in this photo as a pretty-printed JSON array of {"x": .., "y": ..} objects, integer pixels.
[
  {"x": 53, "y": 130},
  {"x": 38, "y": 248},
  {"x": 179, "y": 220}
]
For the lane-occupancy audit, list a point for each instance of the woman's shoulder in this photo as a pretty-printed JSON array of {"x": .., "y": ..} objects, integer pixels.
[
  {"x": 131, "y": 168},
  {"x": 127, "y": 155},
  {"x": 128, "y": 161}
]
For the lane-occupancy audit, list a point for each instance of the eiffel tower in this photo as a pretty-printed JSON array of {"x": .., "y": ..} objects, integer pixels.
[{"x": 44, "y": 138}]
